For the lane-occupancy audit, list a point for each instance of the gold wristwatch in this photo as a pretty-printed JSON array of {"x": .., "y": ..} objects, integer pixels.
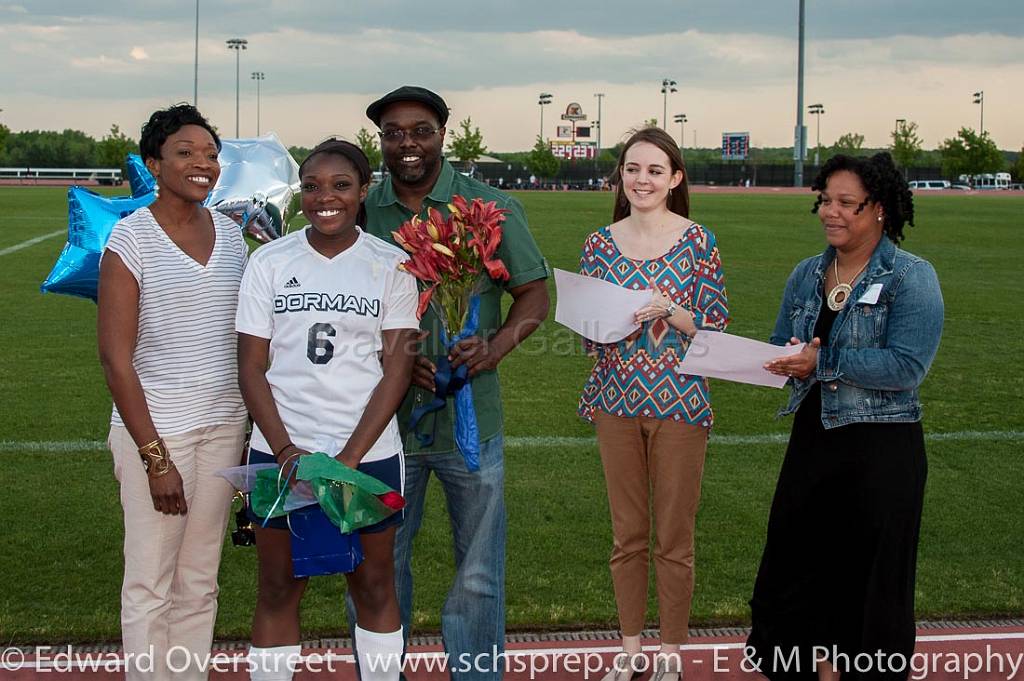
[{"x": 155, "y": 458}]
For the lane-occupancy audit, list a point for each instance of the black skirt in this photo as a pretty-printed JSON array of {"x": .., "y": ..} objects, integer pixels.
[{"x": 837, "y": 574}]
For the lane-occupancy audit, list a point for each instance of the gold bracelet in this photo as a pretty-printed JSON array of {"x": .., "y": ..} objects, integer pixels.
[
  {"x": 155, "y": 458},
  {"x": 149, "y": 446},
  {"x": 161, "y": 468}
]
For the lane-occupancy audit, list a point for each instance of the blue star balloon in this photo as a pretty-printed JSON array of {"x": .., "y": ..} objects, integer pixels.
[
  {"x": 91, "y": 218},
  {"x": 257, "y": 188},
  {"x": 139, "y": 178}
]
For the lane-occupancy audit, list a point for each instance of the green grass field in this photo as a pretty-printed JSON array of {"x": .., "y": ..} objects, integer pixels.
[{"x": 61, "y": 564}]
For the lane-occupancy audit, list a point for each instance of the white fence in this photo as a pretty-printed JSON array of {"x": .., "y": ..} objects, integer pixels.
[{"x": 101, "y": 175}]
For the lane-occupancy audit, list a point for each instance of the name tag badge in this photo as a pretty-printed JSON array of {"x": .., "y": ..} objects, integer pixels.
[{"x": 870, "y": 296}]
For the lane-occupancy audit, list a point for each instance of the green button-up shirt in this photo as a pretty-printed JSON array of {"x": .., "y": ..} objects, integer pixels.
[{"x": 525, "y": 263}]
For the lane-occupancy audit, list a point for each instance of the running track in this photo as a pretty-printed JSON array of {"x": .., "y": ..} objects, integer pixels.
[{"x": 989, "y": 652}]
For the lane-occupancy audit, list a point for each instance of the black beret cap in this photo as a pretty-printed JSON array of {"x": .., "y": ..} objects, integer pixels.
[{"x": 409, "y": 93}]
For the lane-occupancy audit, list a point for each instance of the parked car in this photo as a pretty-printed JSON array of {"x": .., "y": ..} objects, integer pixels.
[{"x": 929, "y": 184}]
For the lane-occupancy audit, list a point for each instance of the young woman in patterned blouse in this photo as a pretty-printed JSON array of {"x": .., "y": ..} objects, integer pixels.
[{"x": 652, "y": 422}]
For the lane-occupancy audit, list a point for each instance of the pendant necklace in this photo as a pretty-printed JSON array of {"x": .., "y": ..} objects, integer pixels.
[{"x": 838, "y": 296}]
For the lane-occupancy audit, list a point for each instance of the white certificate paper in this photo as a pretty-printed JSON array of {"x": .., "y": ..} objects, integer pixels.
[
  {"x": 597, "y": 309},
  {"x": 733, "y": 358}
]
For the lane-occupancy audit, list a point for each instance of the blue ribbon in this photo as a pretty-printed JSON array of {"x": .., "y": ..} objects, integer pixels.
[
  {"x": 282, "y": 490},
  {"x": 457, "y": 384}
]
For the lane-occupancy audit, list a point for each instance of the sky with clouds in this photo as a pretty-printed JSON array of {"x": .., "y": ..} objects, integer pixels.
[{"x": 85, "y": 65}]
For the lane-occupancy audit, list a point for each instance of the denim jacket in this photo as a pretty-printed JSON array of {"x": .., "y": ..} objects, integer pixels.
[{"x": 881, "y": 345}]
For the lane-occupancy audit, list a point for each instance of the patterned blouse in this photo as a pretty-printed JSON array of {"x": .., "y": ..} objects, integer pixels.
[{"x": 637, "y": 375}]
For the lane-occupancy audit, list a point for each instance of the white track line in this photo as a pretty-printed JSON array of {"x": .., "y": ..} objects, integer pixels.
[
  {"x": 545, "y": 442},
  {"x": 31, "y": 242},
  {"x": 54, "y": 446},
  {"x": 83, "y": 665},
  {"x": 33, "y": 218}
]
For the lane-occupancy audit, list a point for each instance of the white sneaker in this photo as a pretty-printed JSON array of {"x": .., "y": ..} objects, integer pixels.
[
  {"x": 624, "y": 672},
  {"x": 668, "y": 667}
]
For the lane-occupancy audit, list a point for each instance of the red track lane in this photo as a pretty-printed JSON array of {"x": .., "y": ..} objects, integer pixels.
[{"x": 978, "y": 654}]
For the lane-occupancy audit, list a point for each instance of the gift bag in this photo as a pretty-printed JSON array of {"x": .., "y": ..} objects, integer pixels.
[{"x": 317, "y": 546}]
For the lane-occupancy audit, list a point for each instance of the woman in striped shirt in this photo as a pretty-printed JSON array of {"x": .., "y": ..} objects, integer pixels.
[{"x": 168, "y": 292}]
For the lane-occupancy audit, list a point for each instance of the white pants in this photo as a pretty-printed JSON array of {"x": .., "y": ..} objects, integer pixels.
[{"x": 169, "y": 594}]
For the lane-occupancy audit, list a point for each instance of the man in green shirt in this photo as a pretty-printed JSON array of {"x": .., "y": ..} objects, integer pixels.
[{"x": 411, "y": 121}]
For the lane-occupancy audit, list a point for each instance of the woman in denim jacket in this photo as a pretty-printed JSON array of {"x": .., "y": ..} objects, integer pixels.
[{"x": 837, "y": 575}]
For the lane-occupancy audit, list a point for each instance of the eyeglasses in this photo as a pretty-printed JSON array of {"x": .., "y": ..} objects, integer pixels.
[{"x": 396, "y": 136}]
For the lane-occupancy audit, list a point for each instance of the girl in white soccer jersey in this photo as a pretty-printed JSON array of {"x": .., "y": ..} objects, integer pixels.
[{"x": 330, "y": 313}]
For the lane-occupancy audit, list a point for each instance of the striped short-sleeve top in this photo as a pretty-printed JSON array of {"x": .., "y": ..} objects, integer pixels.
[
  {"x": 185, "y": 352},
  {"x": 637, "y": 376}
]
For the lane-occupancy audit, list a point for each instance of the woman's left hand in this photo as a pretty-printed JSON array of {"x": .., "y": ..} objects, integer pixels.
[
  {"x": 660, "y": 307},
  {"x": 801, "y": 365}
]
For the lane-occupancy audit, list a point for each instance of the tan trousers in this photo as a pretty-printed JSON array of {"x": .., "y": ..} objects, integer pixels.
[
  {"x": 169, "y": 594},
  {"x": 652, "y": 462}
]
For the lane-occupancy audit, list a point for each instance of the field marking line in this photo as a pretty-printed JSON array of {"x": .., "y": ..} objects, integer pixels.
[
  {"x": 763, "y": 438},
  {"x": 544, "y": 442},
  {"x": 83, "y": 664},
  {"x": 31, "y": 242}
]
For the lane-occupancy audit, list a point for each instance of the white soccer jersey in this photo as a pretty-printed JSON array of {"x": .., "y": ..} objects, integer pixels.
[{"x": 324, "y": 318}]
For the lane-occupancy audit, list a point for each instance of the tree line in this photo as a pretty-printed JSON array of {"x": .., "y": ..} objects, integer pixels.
[
  {"x": 67, "y": 149},
  {"x": 967, "y": 153}
]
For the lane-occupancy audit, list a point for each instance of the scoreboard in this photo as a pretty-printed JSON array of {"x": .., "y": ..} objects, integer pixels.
[{"x": 735, "y": 146}]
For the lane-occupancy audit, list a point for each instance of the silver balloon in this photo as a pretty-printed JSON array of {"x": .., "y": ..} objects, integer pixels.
[{"x": 258, "y": 185}]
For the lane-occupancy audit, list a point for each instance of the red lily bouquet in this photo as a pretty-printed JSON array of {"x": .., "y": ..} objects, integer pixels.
[{"x": 447, "y": 256}]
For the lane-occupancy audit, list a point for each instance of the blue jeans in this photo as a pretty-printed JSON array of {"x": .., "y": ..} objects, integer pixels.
[{"x": 473, "y": 615}]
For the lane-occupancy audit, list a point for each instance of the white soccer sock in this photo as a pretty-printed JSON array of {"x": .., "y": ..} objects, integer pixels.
[
  {"x": 380, "y": 654},
  {"x": 273, "y": 664}
]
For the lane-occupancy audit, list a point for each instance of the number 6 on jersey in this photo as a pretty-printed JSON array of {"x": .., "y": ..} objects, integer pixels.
[{"x": 318, "y": 348}]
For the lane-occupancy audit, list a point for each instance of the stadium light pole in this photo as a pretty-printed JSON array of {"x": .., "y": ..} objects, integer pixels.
[
  {"x": 600, "y": 96},
  {"x": 979, "y": 98},
  {"x": 258, "y": 76},
  {"x": 681, "y": 120},
  {"x": 667, "y": 85},
  {"x": 798, "y": 137},
  {"x": 543, "y": 100},
  {"x": 195, "y": 75},
  {"x": 817, "y": 110},
  {"x": 237, "y": 44}
]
